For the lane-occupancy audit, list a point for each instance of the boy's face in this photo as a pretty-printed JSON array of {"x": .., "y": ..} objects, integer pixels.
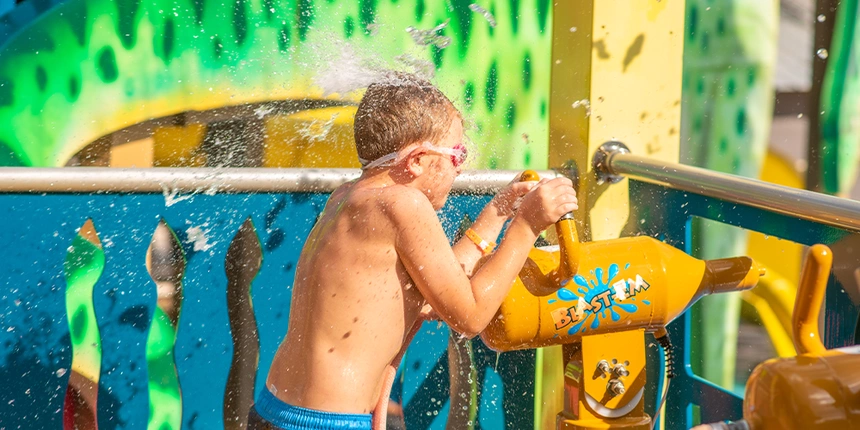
[{"x": 441, "y": 176}]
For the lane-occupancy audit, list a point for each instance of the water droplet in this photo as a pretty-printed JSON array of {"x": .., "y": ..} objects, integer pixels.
[
  {"x": 800, "y": 115},
  {"x": 486, "y": 14},
  {"x": 60, "y": 372},
  {"x": 821, "y": 53},
  {"x": 573, "y": 29},
  {"x": 583, "y": 103},
  {"x": 427, "y": 37},
  {"x": 821, "y": 18}
]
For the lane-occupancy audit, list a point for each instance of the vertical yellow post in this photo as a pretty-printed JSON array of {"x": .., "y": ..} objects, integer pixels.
[{"x": 616, "y": 75}]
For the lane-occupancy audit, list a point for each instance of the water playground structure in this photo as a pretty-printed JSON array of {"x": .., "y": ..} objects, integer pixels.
[
  {"x": 647, "y": 284},
  {"x": 136, "y": 296}
]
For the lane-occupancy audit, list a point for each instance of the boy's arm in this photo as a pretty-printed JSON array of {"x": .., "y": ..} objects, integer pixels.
[
  {"x": 489, "y": 223},
  {"x": 468, "y": 305}
]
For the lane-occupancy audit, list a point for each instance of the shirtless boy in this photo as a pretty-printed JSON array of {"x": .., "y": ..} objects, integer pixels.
[{"x": 378, "y": 254}]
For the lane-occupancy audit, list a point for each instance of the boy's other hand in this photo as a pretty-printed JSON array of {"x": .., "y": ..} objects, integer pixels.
[
  {"x": 508, "y": 200},
  {"x": 548, "y": 201}
]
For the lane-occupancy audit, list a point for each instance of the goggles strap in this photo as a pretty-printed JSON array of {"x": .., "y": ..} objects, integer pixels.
[{"x": 393, "y": 158}]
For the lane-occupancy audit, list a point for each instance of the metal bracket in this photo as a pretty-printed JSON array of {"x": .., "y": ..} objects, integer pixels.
[
  {"x": 570, "y": 171},
  {"x": 601, "y": 159}
]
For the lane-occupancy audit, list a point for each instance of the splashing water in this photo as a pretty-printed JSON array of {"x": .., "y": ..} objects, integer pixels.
[
  {"x": 602, "y": 291},
  {"x": 585, "y": 104},
  {"x": 262, "y": 111},
  {"x": 198, "y": 238},
  {"x": 487, "y": 15},
  {"x": 423, "y": 68},
  {"x": 172, "y": 196},
  {"x": 342, "y": 70},
  {"x": 347, "y": 72},
  {"x": 373, "y": 28},
  {"x": 431, "y": 36},
  {"x": 317, "y": 131}
]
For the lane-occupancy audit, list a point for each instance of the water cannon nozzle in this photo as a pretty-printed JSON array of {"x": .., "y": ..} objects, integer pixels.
[{"x": 730, "y": 274}]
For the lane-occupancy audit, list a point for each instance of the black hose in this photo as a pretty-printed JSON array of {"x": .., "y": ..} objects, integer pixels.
[{"x": 669, "y": 352}]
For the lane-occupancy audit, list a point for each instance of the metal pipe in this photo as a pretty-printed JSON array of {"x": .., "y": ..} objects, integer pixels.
[
  {"x": 803, "y": 204},
  {"x": 32, "y": 180}
]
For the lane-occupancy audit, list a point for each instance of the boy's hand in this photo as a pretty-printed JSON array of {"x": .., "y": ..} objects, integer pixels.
[
  {"x": 547, "y": 202},
  {"x": 507, "y": 201}
]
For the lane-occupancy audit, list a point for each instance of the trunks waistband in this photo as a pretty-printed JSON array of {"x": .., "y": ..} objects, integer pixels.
[{"x": 291, "y": 417}]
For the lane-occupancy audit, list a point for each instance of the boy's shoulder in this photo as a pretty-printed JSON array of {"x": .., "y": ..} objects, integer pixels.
[
  {"x": 381, "y": 195},
  {"x": 394, "y": 200}
]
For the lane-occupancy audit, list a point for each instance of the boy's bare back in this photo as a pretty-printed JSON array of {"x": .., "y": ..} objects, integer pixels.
[{"x": 352, "y": 303}]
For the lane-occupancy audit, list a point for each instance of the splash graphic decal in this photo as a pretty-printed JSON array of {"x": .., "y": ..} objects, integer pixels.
[{"x": 599, "y": 299}]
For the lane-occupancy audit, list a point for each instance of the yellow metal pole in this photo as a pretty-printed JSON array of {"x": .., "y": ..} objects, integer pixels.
[{"x": 616, "y": 74}]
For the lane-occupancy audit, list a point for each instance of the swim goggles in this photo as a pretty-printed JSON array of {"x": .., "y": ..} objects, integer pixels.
[{"x": 458, "y": 155}]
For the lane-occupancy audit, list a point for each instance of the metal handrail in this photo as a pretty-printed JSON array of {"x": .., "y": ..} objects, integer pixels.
[
  {"x": 33, "y": 180},
  {"x": 803, "y": 204}
]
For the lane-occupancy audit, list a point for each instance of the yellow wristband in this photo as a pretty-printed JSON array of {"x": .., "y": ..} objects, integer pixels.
[{"x": 486, "y": 247}]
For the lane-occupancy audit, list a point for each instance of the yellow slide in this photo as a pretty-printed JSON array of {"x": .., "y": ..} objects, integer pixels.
[{"x": 773, "y": 298}]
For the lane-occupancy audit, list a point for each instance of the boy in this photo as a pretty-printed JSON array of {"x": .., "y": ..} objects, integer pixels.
[{"x": 378, "y": 254}]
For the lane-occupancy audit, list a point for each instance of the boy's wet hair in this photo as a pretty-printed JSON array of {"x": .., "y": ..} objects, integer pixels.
[{"x": 398, "y": 111}]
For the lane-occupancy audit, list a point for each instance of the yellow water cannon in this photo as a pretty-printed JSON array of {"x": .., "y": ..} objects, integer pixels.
[
  {"x": 819, "y": 389},
  {"x": 600, "y": 298}
]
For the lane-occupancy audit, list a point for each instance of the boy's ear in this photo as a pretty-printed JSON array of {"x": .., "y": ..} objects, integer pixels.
[{"x": 413, "y": 163}]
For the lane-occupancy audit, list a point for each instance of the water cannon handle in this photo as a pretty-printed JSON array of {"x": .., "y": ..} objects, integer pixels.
[
  {"x": 529, "y": 176},
  {"x": 810, "y": 295},
  {"x": 568, "y": 238}
]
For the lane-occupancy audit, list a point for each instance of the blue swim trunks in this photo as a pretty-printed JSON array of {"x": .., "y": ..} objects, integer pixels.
[{"x": 276, "y": 414}]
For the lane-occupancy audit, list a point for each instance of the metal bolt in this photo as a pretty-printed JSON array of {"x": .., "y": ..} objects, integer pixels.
[
  {"x": 601, "y": 159},
  {"x": 604, "y": 366},
  {"x": 615, "y": 387},
  {"x": 620, "y": 370}
]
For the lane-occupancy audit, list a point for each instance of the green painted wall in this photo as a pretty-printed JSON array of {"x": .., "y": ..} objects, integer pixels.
[{"x": 86, "y": 68}]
